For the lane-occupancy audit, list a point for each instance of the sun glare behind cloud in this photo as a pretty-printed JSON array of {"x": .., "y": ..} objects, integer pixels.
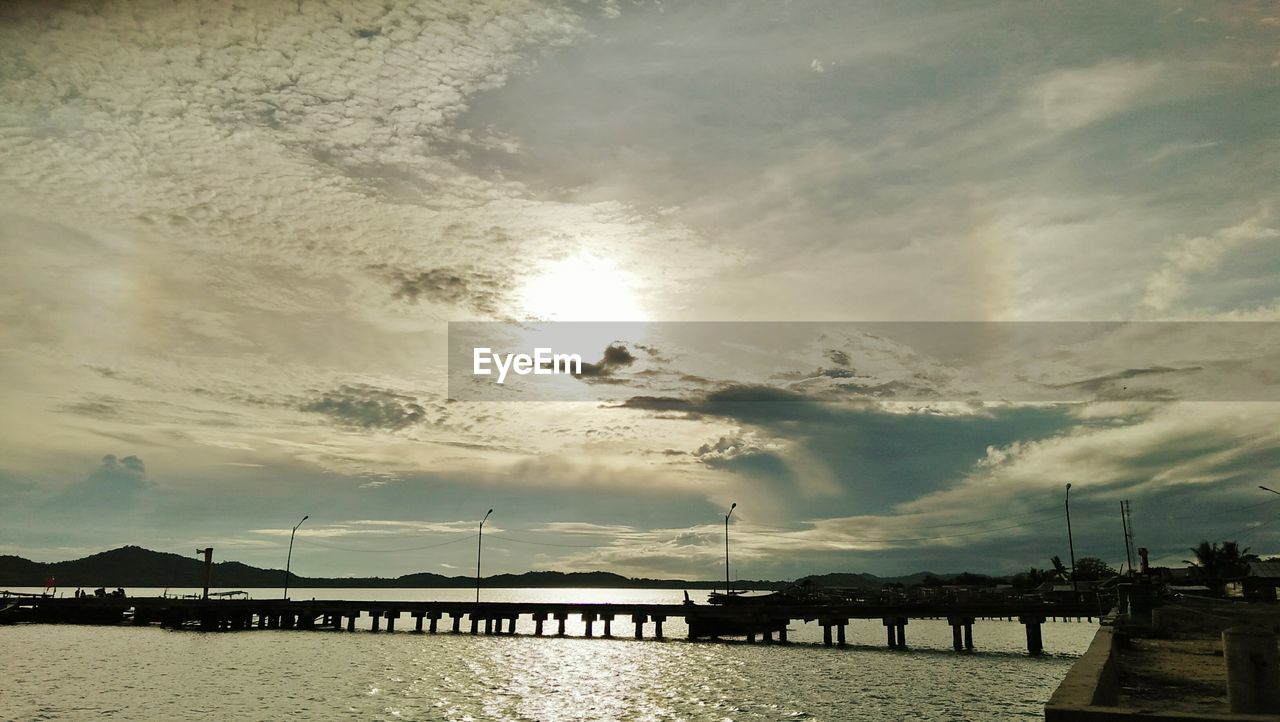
[{"x": 582, "y": 288}]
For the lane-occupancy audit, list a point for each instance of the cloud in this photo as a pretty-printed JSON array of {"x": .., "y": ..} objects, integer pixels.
[
  {"x": 1195, "y": 256},
  {"x": 478, "y": 290},
  {"x": 127, "y": 474},
  {"x": 1069, "y": 99},
  {"x": 102, "y": 407},
  {"x": 616, "y": 356},
  {"x": 368, "y": 407},
  {"x": 1116, "y": 386}
]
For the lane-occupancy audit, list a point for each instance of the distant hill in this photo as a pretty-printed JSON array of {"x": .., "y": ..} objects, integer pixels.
[
  {"x": 849, "y": 580},
  {"x": 133, "y": 566}
]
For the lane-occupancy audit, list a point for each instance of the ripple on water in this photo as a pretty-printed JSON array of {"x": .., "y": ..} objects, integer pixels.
[{"x": 56, "y": 672}]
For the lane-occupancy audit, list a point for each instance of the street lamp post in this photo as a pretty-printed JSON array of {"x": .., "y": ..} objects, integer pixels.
[
  {"x": 289, "y": 559},
  {"x": 726, "y": 547},
  {"x": 479, "y": 540},
  {"x": 1071, "y": 545}
]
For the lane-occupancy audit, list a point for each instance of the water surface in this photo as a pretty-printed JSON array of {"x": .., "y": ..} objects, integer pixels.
[{"x": 73, "y": 672}]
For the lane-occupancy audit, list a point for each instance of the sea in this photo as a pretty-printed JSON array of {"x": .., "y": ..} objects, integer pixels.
[{"x": 64, "y": 672}]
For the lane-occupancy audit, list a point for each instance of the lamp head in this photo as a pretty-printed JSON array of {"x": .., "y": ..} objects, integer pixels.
[
  {"x": 1068, "y": 486},
  {"x": 733, "y": 506},
  {"x": 305, "y": 517}
]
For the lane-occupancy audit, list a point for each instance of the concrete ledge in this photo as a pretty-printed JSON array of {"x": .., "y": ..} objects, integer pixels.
[
  {"x": 1092, "y": 681},
  {"x": 1092, "y": 686}
]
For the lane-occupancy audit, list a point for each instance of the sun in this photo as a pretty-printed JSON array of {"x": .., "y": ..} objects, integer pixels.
[{"x": 582, "y": 288}]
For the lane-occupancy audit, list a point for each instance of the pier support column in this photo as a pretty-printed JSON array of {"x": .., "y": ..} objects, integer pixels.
[
  {"x": 782, "y": 634},
  {"x": 826, "y": 635},
  {"x": 351, "y": 622},
  {"x": 391, "y": 621},
  {"x": 961, "y": 633},
  {"x": 457, "y": 621},
  {"x": 590, "y": 619},
  {"x": 435, "y": 621},
  {"x": 475, "y": 623},
  {"x": 1035, "y": 644},
  {"x": 891, "y": 627},
  {"x": 1253, "y": 670},
  {"x": 377, "y": 620},
  {"x": 538, "y": 619},
  {"x": 639, "y": 620},
  {"x": 902, "y": 632},
  {"x": 657, "y": 626},
  {"x": 840, "y": 625},
  {"x": 417, "y": 622},
  {"x": 488, "y": 625},
  {"x": 608, "y": 625},
  {"x": 262, "y": 621},
  {"x": 511, "y": 625},
  {"x": 560, "y": 620},
  {"x": 751, "y": 638}
]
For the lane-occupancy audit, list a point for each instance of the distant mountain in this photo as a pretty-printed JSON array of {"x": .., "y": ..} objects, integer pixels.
[
  {"x": 849, "y": 580},
  {"x": 842, "y": 580},
  {"x": 133, "y": 566}
]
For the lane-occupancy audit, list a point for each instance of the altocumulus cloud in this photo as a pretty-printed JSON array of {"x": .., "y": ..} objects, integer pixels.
[{"x": 368, "y": 407}]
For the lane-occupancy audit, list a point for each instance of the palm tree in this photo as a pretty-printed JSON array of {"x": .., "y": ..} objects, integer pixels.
[{"x": 1218, "y": 563}]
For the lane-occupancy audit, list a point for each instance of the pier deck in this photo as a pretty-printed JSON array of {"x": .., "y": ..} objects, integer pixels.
[{"x": 768, "y": 622}]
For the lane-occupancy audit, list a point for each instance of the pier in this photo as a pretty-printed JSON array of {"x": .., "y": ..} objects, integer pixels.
[{"x": 763, "y": 623}]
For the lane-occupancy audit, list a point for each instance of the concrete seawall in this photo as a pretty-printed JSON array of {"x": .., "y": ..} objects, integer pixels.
[{"x": 1091, "y": 690}]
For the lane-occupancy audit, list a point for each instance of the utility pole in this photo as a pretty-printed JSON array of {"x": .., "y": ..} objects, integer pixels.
[
  {"x": 726, "y": 547},
  {"x": 479, "y": 541},
  {"x": 289, "y": 559},
  {"x": 1126, "y": 516},
  {"x": 208, "y": 569},
  {"x": 1071, "y": 545}
]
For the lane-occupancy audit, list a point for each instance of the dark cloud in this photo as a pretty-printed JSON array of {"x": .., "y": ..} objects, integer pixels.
[
  {"x": 477, "y": 290},
  {"x": 873, "y": 457},
  {"x": 1132, "y": 384},
  {"x": 838, "y": 357},
  {"x": 616, "y": 356},
  {"x": 101, "y": 407},
  {"x": 105, "y": 371},
  {"x": 116, "y": 489},
  {"x": 123, "y": 474},
  {"x": 368, "y": 407},
  {"x": 720, "y": 402}
]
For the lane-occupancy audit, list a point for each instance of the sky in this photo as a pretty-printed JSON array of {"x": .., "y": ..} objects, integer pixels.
[{"x": 235, "y": 237}]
